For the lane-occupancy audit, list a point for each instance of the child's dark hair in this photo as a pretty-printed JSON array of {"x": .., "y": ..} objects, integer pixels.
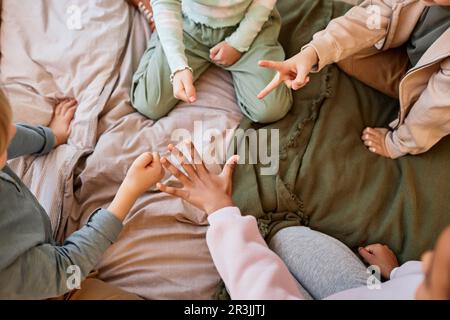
[{"x": 5, "y": 121}]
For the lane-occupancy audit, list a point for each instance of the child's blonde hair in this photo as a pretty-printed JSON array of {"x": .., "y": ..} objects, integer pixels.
[{"x": 5, "y": 121}]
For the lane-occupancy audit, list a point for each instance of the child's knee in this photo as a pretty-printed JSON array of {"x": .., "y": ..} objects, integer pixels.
[
  {"x": 272, "y": 108},
  {"x": 150, "y": 109},
  {"x": 149, "y": 103}
]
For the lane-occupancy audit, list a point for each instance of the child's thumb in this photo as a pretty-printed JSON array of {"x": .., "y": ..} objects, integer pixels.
[
  {"x": 213, "y": 52},
  {"x": 301, "y": 79},
  {"x": 144, "y": 160},
  {"x": 191, "y": 93}
]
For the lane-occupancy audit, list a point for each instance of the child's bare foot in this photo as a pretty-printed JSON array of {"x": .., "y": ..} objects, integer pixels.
[
  {"x": 145, "y": 8},
  {"x": 374, "y": 139},
  {"x": 62, "y": 118}
]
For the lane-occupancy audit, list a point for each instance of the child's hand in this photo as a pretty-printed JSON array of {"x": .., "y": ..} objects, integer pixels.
[
  {"x": 62, "y": 118},
  {"x": 208, "y": 192},
  {"x": 293, "y": 72},
  {"x": 225, "y": 55},
  {"x": 144, "y": 173},
  {"x": 381, "y": 256},
  {"x": 183, "y": 86}
]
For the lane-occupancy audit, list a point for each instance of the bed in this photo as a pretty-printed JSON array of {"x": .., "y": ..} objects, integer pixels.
[
  {"x": 88, "y": 49},
  {"x": 48, "y": 53}
]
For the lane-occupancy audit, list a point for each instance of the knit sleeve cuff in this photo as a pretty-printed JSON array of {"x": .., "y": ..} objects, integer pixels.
[
  {"x": 224, "y": 214},
  {"x": 237, "y": 44},
  {"x": 50, "y": 140},
  {"x": 324, "y": 49},
  {"x": 106, "y": 223}
]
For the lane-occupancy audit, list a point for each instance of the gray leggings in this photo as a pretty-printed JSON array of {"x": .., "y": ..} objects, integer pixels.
[{"x": 321, "y": 264}]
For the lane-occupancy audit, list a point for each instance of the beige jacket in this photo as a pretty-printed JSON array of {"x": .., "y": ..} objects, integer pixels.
[{"x": 376, "y": 56}]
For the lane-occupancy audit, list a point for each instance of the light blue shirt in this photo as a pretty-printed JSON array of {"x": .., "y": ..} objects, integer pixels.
[{"x": 32, "y": 264}]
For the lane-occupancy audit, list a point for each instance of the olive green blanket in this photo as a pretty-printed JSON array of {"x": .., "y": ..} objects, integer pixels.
[{"x": 327, "y": 179}]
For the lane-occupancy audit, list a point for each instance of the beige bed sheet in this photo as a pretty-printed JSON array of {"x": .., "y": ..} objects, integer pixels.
[{"x": 161, "y": 253}]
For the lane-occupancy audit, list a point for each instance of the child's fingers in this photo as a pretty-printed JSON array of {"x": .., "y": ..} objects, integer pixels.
[
  {"x": 197, "y": 159},
  {"x": 366, "y": 254},
  {"x": 175, "y": 172},
  {"x": 156, "y": 158},
  {"x": 219, "y": 56},
  {"x": 297, "y": 85},
  {"x": 181, "y": 158},
  {"x": 144, "y": 160},
  {"x": 276, "y": 81},
  {"x": 180, "y": 93},
  {"x": 156, "y": 164},
  {"x": 190, "y": 91},
  {"x": 301, "y": 78},
  {"x": 173, "y": 191},
  {"x": 275, "y": 65},
  {"x": 213, "y": 52},
  {"x": 373, "y": 248}
]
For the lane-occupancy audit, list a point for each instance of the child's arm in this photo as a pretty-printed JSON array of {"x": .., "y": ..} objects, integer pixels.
[
  {"x": 257, "y": 15},
  {"x": 360, "y": 28},
  {"x": 169, "y": 23},
  {"x": 229, "y": 51},
  {"x": 428, "y": 120},
  {"x": 248, "y": 267},
  {"x": 343, "y": 37},
  {"x": 43, "y": 270},
  {"x": 31, "y": 140},
  {"x": 41, "y": 140}
]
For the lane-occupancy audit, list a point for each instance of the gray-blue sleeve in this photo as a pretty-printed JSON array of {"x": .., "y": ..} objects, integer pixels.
[
  {"x": 43, "y": 271},
  {"x": 31, "y": 140}
]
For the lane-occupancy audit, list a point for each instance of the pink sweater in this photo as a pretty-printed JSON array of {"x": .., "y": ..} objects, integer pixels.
[
  {"x": 248, "y": 267},
  {"x": 251, "y": 270}
]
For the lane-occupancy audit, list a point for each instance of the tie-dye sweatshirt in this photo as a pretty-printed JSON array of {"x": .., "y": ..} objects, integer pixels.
[{"x": 250, "y": 15}]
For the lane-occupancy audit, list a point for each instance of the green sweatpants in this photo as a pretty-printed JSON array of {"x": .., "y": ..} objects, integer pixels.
[{"x": 152, "y": 92}]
